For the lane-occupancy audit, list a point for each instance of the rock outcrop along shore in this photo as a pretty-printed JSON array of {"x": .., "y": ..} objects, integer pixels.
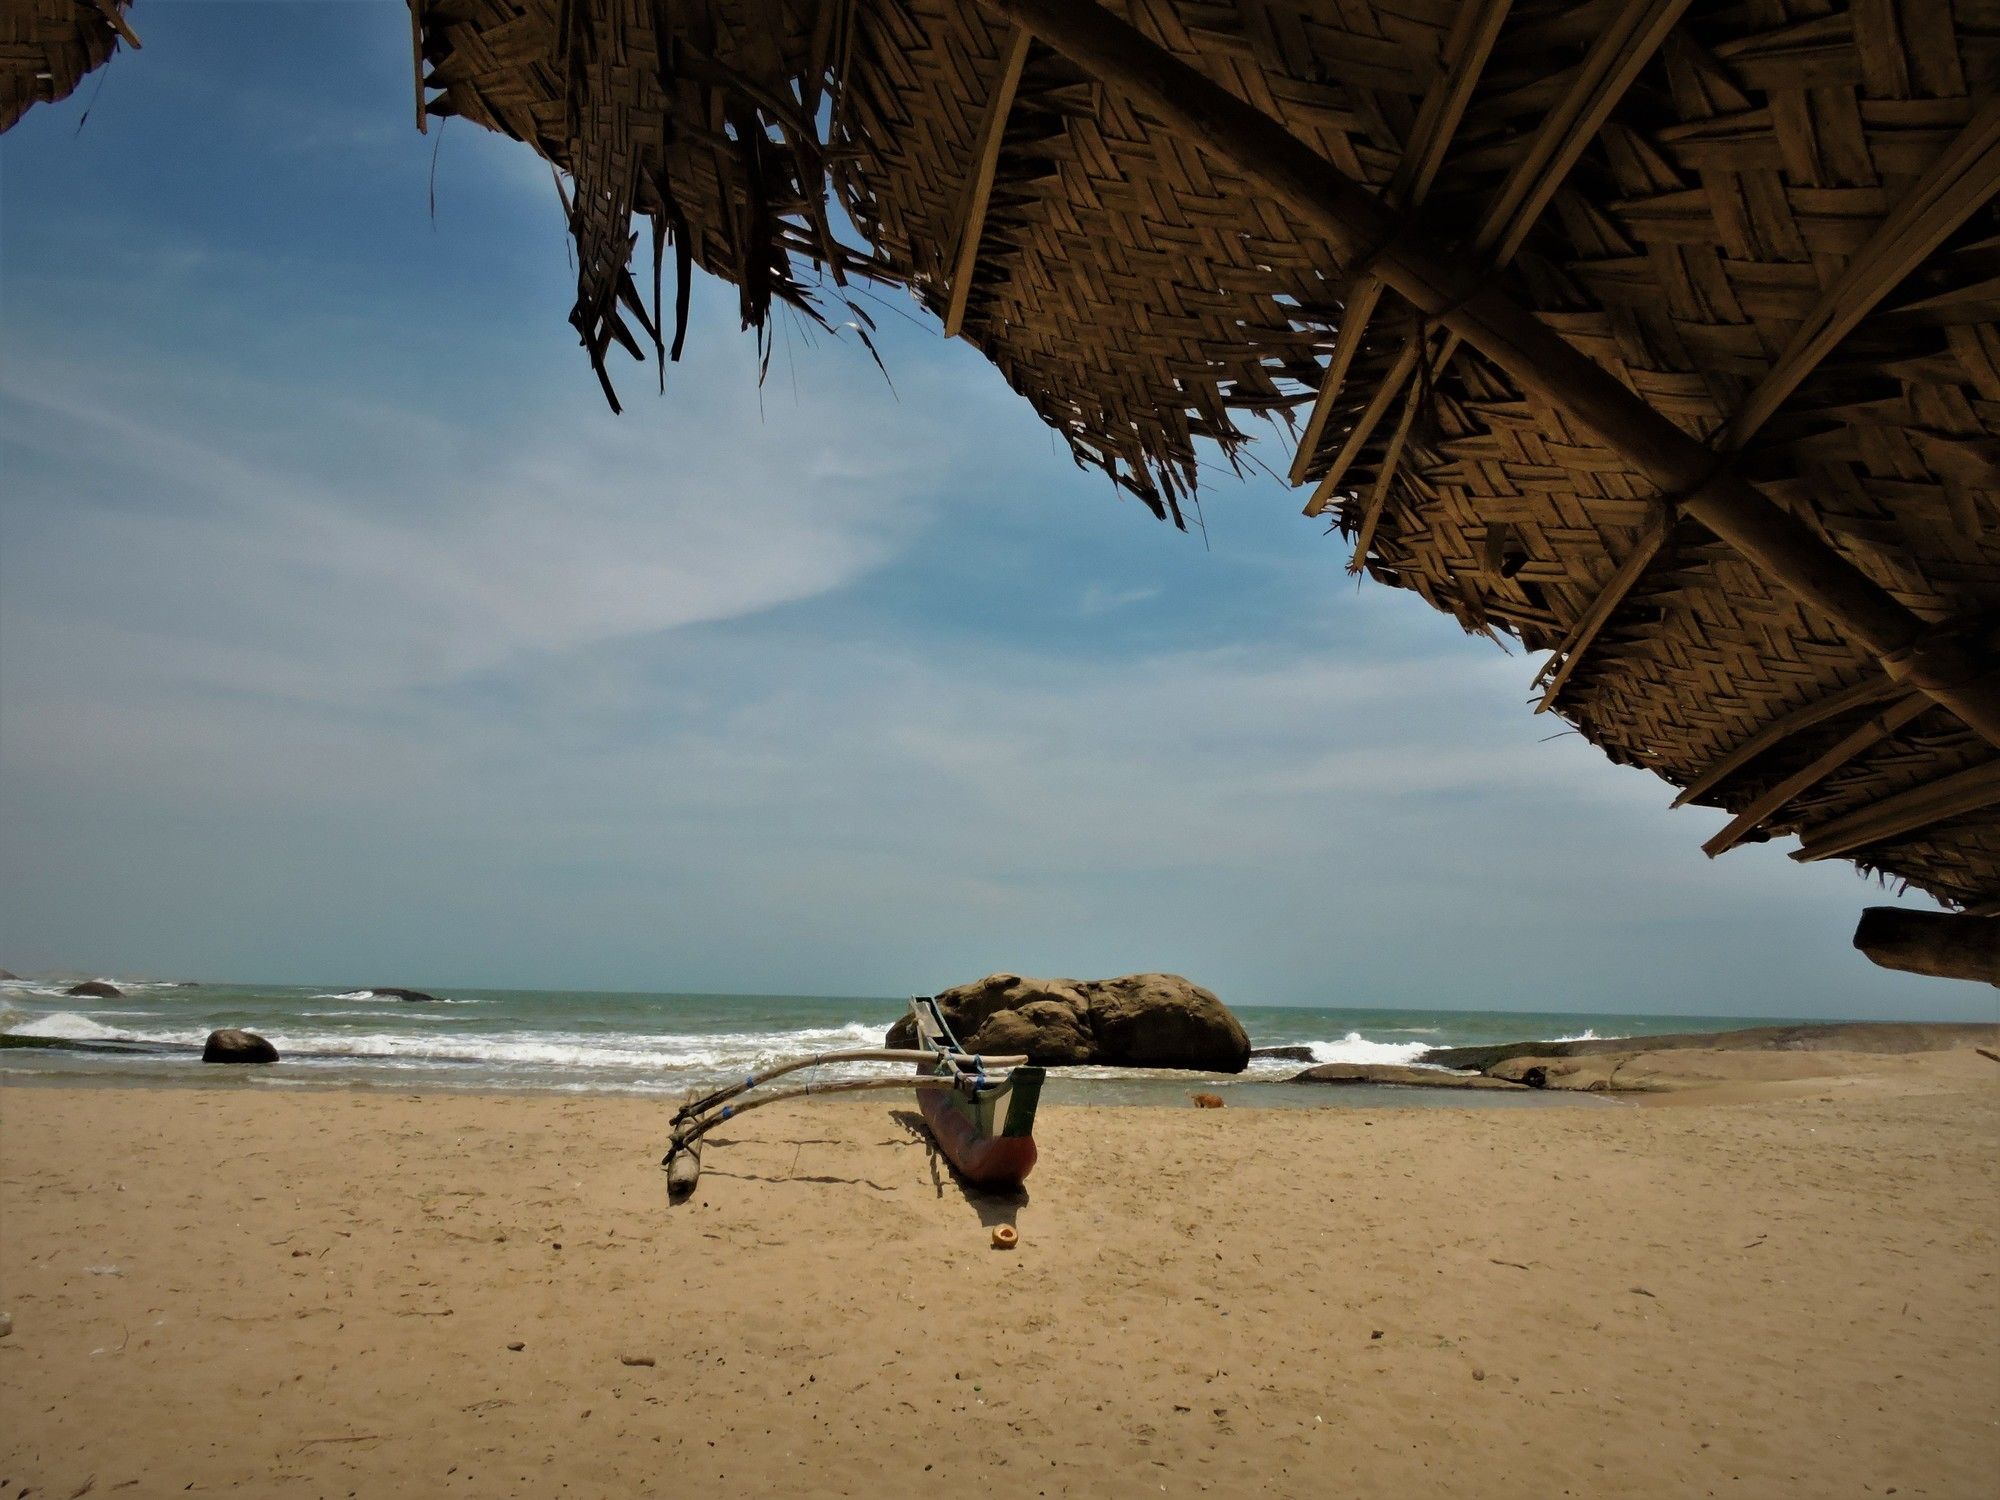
[
  {"x": 1134, "y": 1021},
  {"x": 1708, "y": 1059},
  {"x": 1405, "y": 1077}
]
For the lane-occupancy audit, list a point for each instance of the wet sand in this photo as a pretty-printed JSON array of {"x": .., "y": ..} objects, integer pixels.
[{"x": 1785, "y": 1288}]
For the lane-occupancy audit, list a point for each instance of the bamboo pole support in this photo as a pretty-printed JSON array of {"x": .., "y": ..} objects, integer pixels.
[
  {"x": 1860, "y": 741},
  {"x": 1532, "y": 354},
  {"x": 1797, "y": 721},
  {"x": 686, "y": 1135},
  {"x": 979, "y": 183},
  {"x": 708, "y": 1102}
]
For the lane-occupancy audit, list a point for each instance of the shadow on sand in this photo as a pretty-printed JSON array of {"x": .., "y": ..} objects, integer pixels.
[
  {"x": 992, "y": 1207},
  {"x": 794, "y": 1175}
]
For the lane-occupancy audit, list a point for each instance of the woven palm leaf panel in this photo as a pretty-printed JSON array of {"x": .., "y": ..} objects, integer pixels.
[
  {"x": 1758, "y": 152},
  {"x": 1692, "y": 194},
  {"x": 47, "y": 46},
  {"x": 1135, "y": 290}
]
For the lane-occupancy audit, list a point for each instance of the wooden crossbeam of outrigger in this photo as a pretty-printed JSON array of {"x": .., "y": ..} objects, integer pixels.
[{"x": 695, "y": 1118}]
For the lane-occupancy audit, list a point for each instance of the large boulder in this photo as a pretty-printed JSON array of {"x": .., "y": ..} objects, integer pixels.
[
  {"x": 95, "y": 989},
  {"x": 415, "y": 997},
  {"x": 1135, "y": 1021},
  {"x": 232, "y": 1046}
]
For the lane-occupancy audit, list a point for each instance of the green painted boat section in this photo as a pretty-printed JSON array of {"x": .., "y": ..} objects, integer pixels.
[
  {"x": 1023, "y": 1090},
  {"x": 1022, "y": 1099}
]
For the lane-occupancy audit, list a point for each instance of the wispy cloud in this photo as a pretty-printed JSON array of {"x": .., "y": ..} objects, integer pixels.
[{"x": 408, "y": 560}]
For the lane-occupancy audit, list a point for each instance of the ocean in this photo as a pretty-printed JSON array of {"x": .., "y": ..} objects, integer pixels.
[{"x": 559, "y": 1041}]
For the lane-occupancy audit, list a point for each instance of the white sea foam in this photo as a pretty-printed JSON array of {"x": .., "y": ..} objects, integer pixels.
[
  {"x": 67, "y": 1026},
  {"x": 383, "y": 997},
  {"x": 1356, "y": 1048},
  {"x": 1352, "y": 1048},
  {"x": 700, "y": 1053},
  {"x": 526, "y": 1051},
  {"x": 1588, "y": 1035}
]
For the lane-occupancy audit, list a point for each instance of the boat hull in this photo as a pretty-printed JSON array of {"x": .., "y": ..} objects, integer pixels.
[{"x": 983, "y": 1158}]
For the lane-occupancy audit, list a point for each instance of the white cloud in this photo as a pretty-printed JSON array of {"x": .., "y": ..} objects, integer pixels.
[{"x": 218, "y": 561}]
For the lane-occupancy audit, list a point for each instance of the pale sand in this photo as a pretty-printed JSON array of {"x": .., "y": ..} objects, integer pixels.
[{"x": 314, "y": 1294}]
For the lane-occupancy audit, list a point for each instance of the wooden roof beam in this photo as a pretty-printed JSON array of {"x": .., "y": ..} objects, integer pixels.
[
  {"x": 1945, "y": 945},
  {"x": 114, "y": 16},
  {"x": 1466, "y": 52},
  {"x": 417, "y": 62},
  {"x": 1964, "y": 178},
  {"x": 1857, "y": 743},
  {"x": 1952, "y": 189},
  {"x": 1593, "y": 620},
  {"x": 1868, "y": 690},
  {"x": 1905, "y": 813},
  {"x": 1601, "y": 80},
  {"x": 1443, "y": 287},
  {"x": 979, "y": 186}
]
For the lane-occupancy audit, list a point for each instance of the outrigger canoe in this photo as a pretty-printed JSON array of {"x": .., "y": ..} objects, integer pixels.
[{"x": 980, "y": 1110}]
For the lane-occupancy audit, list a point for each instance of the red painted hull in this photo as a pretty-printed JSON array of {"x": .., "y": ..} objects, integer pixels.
[{"x": 989, "y": 1161}]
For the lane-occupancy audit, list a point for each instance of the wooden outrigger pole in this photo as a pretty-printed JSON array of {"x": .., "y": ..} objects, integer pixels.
[{"x": 943, "y": 1069}]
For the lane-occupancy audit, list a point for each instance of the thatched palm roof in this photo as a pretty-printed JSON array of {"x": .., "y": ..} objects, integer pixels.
[
  {"x": 46, "y": 47},
  {"x": 1661, "y": 335}
]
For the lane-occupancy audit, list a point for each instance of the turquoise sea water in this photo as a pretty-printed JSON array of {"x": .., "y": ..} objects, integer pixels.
[{"x": 667, "y": 1044}]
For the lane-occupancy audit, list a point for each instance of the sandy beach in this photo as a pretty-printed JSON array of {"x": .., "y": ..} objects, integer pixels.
[{"x": 1788, "y": 1292}]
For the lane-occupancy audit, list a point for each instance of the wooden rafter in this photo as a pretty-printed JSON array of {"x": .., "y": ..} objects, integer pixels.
[
  {"x": 1599, "y": 82},
  {"x": 1443, "y": 287},
  {"x": 1859, "y": 741},
  {"x": 114, "y": 17},
  {"x": 1797, "y": 721},
  {"x": 979, "y": 185},
  {"x": 1920, "y": 807},
  {"x": 1466, "y": 52},
  {"x": 1591, "y": 621},
  {"x": 1379, "y": 496},
  {"x": 417, "y": 62},
  {"x": 1954, "y": 187},
  {"x": 1951, "y": 190}
]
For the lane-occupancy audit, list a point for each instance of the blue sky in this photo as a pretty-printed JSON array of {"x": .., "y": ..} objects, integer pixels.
[{"x": 345, "y": 635}]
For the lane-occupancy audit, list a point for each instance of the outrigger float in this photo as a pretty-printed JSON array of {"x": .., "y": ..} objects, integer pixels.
[{"x": 980, "y": 1110}]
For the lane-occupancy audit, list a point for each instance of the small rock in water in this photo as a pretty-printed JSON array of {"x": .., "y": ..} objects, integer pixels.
[
  {"x": 232, "y": 1046},
  {"x": 95, "y": 989},
  {"x": 637, "y": 1359}
]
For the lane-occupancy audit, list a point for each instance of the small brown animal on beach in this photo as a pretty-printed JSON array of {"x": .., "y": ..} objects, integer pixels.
[{"x": 1207, "y": 1101}]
